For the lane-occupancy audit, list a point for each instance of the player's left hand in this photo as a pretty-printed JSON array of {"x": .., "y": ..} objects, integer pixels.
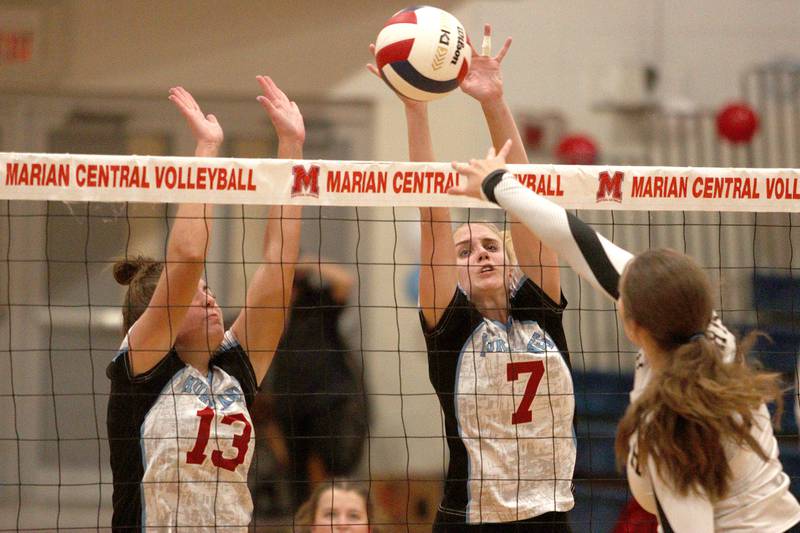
[
  {"x": 284, "y": 113},
  {"x": 205, "y": 128},
  {"x": 484, "y": 82},
  {"x": 473, "y": 173},
  {"x": 373, "y": 69}
]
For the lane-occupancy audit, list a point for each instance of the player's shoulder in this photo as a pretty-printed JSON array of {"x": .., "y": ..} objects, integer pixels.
[{"x": 524, "y": 293}]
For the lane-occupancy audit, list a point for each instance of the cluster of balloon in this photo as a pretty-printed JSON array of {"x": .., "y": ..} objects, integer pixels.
[
  {"x": 737, "y": 122},
  {"x": 576, "y": 149}
]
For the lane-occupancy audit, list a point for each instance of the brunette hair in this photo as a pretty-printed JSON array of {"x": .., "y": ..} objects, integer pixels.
[
  {"x": 141, "y": 275},
  {"x": 304, "y": 518},
  {"x": 698, "y": 403}
]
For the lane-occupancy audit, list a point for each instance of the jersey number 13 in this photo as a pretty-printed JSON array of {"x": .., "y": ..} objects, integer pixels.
[{"x": 197, "y": 455}]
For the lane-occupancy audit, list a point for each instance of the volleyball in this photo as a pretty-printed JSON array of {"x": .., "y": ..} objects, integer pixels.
[{"x": 422, "y": 53}]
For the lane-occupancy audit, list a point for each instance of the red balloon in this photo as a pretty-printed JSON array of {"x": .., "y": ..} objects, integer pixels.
[
  {"x": 576, "y": 149},
  {"x": 737, "y": 122}
]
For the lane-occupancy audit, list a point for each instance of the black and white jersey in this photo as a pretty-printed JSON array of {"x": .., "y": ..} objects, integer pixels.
[
  {"x": 507, "y": 398},
  {"x": 759, "y": 498},
  {"x": 181, "y": 442}
]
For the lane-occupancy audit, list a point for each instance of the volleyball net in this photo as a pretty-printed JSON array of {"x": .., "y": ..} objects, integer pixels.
[{"x": 65, "y": 219}]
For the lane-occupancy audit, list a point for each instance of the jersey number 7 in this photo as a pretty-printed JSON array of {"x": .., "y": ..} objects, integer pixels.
[{"x": 523, "y": 413}]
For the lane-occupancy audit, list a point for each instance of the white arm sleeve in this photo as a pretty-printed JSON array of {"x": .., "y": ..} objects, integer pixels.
[{"x": 592, "y": 256}]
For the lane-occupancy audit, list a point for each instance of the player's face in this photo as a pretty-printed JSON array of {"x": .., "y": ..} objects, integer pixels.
[
  {"x": 203, "y": 319},
  {"x": 480, "y": 259},
  {"x": 341, "y": 511}
]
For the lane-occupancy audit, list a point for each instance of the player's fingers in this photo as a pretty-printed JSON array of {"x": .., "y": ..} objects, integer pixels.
[
  {"x": 486, "y": 45},
  {"x": 182, "y": 106},
  {"x": 271, "y": 90},
  {"x": 187, "y": 98},
  {"x": 266, "y": 103},
  {"x": 212, "y": 118},
  {"x": 490, "y": 153},
  {"x": 274, "y": 90},
  {"x": 462, "y": 168},
  {"x": 373, "y": 69},
  {"x": 503, "y": 51},
  {"x": 177, "y": 95},
  {"x": 505, "y": 149}
]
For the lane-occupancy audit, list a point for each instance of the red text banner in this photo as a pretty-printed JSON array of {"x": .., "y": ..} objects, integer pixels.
[{"x": 27, "y": 176}]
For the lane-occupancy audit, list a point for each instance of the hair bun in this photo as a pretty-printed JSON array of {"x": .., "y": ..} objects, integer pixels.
[{"x": 127, "y": 269}]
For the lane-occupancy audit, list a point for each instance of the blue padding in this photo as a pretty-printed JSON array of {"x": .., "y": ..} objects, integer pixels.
[
  {"x": 595, "y": 458},
  {"x": 601, "y": 395},
  {"x": 600, "y": 401},
  {"x": 411, "y": 75},
  {"x": 776, "y": 292},
  {"x": 598, "y": 505}
]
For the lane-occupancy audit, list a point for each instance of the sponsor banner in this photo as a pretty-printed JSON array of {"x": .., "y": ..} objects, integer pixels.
[{"x": 367, "y": 183}]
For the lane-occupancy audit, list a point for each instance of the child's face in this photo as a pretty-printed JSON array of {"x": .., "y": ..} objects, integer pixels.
[{"x": 341, "y": 511}]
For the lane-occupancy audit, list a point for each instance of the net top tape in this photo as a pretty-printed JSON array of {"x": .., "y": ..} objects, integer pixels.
[{"x": 107, "y": 178}]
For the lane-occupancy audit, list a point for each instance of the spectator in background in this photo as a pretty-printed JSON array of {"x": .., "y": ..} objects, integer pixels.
[
  {"x": 314, "y": 396},
  {"x": 337, "y": 506}
]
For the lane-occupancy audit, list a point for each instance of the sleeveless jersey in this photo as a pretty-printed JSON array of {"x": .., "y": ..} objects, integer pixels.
[
  {"x": 181, "y": 442},
  {"x": 507, "y": 398}
]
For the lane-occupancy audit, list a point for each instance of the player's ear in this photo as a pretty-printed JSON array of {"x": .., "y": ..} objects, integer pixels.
[{"x": 632, "y": 329}]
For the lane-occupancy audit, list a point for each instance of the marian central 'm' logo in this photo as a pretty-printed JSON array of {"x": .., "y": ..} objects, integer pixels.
[
  {"x": 306, "y": 183},
  {"x": 609, "y": 188}
]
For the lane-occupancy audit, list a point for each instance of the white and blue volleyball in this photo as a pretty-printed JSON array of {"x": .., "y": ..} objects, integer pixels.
[{"x": 422, "y": 53}]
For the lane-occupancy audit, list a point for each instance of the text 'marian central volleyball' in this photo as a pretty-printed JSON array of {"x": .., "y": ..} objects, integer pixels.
[{"x": 423, "y": 53}]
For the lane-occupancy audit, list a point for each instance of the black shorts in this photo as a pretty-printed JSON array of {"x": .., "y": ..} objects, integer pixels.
[{"x": 546, "y": 523}]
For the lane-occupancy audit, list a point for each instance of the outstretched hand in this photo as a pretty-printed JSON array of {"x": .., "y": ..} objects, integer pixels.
[
  {"x": 472, "y": 173},
  {"x": 408, "y": 102},
  {"x": 284, "y": 113},
  {"x": 484, "y": 82},
  {"x": 205, "y": 128}
]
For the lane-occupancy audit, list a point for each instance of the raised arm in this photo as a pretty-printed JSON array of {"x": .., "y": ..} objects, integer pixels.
[
  {"x": 153, "y": 334},
  {"x": 438, "y": 277},
  {"x": 260, "y": 323},
  {"x": 485, "y": 83},
  {"x": 591, "y": 255},
  {"x": 330, "y": 275}
]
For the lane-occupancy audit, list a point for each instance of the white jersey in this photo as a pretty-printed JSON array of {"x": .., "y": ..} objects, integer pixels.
[
  {"x": 182, "y": 442},
  {"x": 758, "y": 500},
  {"x": 507, "y": 397}
]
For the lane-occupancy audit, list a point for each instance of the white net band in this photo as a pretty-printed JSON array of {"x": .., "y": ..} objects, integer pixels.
[{"x": 69, "y": 177}]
